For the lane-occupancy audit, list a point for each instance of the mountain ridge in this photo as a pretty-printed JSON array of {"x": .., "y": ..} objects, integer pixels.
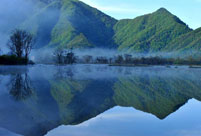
[
  {"x": 74, "y": 24},
  {"x": 153, "y": 31},
  {"x": 67, "y": 31}
]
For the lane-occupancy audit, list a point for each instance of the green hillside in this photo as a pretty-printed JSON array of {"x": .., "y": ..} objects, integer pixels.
[
  {"x": 150, "y": 32},
  {"x": 189, "y": 41},
  {"x": 71, "y": 23}
]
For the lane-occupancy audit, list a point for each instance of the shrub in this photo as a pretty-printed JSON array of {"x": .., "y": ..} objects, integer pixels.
[{"x": 12, "y": 60}]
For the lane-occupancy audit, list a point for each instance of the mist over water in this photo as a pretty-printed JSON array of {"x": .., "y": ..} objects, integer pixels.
[{"x": 46, "y": 55}]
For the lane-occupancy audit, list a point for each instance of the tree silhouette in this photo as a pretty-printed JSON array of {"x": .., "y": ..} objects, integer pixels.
[
  {"x": 64, "y": 56},
  {"x": 20, "y": 43}
]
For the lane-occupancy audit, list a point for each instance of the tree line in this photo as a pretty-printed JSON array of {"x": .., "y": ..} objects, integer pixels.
[{"x": 64, "y": 56}]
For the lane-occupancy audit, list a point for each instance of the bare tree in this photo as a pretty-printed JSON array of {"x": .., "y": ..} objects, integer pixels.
[
  {"x": 58, "y": 53},
  {"x": 28, "y": 45},
  {"x": 20, "y": 42}
]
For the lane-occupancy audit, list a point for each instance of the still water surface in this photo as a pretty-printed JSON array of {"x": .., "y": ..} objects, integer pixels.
[{"x": 98, "y": 100}]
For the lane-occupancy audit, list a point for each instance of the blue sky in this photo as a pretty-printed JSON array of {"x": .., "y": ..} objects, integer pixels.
[{"x": 188, "y": 11}]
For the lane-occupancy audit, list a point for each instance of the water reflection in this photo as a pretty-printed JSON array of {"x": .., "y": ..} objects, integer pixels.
[
  {"x": 120, "y": 121},
  {"x": 46, "y": 96},
  {"x": 20, "y": 86},
  {"x": 64, "y": 73}
]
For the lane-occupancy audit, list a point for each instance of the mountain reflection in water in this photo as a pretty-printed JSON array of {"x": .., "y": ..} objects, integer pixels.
[{"x": 36, "y": 99}]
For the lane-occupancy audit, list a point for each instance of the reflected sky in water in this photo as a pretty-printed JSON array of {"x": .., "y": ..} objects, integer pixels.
[
  {"x": 121, "y": 121},
  {"x": 96, "y": 100}
]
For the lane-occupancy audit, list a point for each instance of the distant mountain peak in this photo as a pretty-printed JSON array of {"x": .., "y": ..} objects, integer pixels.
[
  {"x": 163, "y": 10},
  {"x": 150, "y": 32}
]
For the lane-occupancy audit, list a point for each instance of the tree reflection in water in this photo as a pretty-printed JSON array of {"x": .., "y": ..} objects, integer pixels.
[
  {"x": 64, "y": 73},
  {"x": 21, "y": 87}
]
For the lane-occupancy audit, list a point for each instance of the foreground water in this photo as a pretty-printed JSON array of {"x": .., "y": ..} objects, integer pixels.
[{"x": 98, "y": 100}]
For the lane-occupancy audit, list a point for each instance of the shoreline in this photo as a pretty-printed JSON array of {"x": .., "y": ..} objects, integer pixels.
[{"x": 118, "y": 65}]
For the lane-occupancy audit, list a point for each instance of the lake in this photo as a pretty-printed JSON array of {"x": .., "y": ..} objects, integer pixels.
[{"x": 99, "y": 100}]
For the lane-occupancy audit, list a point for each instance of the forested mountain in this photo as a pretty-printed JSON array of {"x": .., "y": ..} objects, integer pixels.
[
  {"x": 150, "y": 32},
  {"x": 188, "y": 41},
  {"x": 72, "y": 23}
]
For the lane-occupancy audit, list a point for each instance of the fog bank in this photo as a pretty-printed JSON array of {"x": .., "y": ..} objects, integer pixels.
[{"x": 46, "y": 55}]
